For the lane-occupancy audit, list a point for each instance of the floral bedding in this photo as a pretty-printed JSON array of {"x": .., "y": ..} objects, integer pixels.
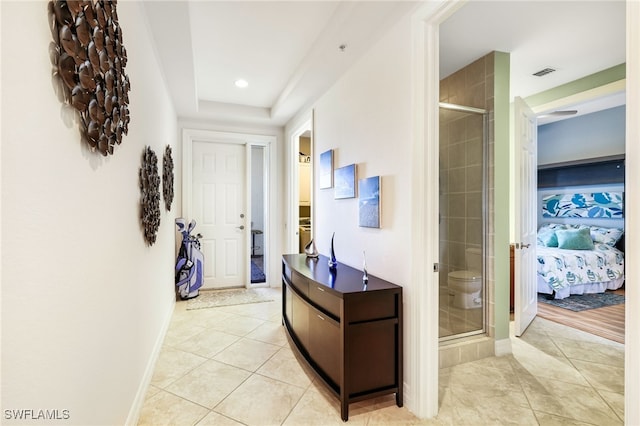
[{"x": 562, "y": 268}]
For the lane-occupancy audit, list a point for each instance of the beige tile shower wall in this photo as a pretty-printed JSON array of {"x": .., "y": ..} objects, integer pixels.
[{"x": 461, "y": 192}]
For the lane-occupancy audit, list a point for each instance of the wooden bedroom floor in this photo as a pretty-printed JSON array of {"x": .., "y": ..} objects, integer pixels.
[{"x": 607, "y": 322}]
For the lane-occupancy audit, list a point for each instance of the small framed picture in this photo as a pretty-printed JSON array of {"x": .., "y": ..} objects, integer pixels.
[
  {"x": 345, "y": 182},
  {"x": 326, "y": 169},
  {"x": 369, "y": 202}
]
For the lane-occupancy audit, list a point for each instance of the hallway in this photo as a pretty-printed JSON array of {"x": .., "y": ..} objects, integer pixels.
[{"x": 233, "y": 366}]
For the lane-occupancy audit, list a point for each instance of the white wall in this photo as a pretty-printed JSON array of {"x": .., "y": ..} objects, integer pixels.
[
  {"x": 366, "y": 119},
  {"x": 85, "y": 301}
]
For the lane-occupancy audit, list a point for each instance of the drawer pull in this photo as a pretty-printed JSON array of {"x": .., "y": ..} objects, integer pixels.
[
  {"x": 319, "y": 316},
  {"x": 320, "y": 288}
]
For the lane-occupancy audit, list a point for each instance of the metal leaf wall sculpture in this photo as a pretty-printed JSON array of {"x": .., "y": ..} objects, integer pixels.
[
  {"x": 167, "y": 178},
  {"x": 150, "y": 192},
  {"x": 90, "y": 59}
]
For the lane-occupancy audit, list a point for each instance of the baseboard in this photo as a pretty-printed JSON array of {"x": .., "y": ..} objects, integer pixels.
[
  {"x": 503, "y": 347},
  {"x": 138, "y": 402}
]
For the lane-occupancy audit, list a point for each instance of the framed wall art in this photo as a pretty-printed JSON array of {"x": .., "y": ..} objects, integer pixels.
[
  {"x": 369, "y": 202},
  {"x": 326, "y": 169},
  {"x": 345, "y": 182}
]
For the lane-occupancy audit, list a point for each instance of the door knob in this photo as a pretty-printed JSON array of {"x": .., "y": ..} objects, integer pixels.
[
  {"x": 524, "y": 246},
  {"x": 241, "y": 227}
]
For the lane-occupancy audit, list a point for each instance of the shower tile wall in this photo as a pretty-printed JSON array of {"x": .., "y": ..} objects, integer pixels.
[{"x": 461, "y": 187}]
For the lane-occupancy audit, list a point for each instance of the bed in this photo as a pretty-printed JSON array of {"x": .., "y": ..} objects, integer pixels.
[{"x": 579, "y": 259}]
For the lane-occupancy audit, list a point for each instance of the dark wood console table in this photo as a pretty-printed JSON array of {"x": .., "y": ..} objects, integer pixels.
[{"x": 348, "y": 333}]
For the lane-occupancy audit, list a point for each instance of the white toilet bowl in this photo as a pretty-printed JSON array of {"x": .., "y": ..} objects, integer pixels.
[{"x": 466, "y": 286}]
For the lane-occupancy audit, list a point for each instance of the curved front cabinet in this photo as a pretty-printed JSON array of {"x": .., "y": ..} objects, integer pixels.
[{"x": 348, "y": 333}]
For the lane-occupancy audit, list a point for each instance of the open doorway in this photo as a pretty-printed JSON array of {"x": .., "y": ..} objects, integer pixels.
[
  {"x": 582, "y": 151},
  {"x": 426, "y": 39},
  {"x": 305, "y": 185},
  {"x": 301, "y": 165},
  {"x": 258, "y": 215}
]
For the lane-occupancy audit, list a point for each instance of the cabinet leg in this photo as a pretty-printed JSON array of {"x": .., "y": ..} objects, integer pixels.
[
  {"x": 344, "y": 410},
  {"x": 399, "y": 399}
]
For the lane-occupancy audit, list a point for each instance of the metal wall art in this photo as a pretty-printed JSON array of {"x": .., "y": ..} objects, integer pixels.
[
  {"x": 150, "y": 192},
  {"x": 167, "y": 178},
  {"x": 90, "y": 60}
]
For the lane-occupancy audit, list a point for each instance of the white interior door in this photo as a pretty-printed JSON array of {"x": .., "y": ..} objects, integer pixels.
[
  {"x": 526, "y": 162},
  {"x": 219, "y": 197}
]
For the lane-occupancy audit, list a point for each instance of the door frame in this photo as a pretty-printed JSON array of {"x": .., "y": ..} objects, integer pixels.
[
  {"x": 293, "y": 216},
  {"x": 422, "y": 325},
  {"x": 248, "y": 140}
]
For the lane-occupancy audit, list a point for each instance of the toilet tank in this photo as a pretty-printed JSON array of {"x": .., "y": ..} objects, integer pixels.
[{"x": 473, "y": 257}]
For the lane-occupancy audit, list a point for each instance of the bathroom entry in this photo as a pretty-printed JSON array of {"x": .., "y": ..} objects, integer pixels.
[
  {"x": 305, "y": 186},
  {"x": 463, "y": 182}
]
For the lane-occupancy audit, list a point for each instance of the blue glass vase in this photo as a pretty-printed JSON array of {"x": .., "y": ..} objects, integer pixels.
[{"x": 332, "y": 258}]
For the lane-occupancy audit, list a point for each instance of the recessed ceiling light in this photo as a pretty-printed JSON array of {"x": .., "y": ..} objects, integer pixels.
[{"x": 241, "y": 83}]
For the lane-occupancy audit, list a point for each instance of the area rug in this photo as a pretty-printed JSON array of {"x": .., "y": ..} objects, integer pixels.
[
  {"x": 257, "y": 276},
  {"x": 235, "y": 296},
  {"x": 578, "y": 303}
]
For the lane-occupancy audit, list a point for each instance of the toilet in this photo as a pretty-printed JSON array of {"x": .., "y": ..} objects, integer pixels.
[{"x": 466, "y": 285}]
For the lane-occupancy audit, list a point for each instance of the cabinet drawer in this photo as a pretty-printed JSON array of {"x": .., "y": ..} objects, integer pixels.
[
  {"x": 324, "y": 344},
  {"x": 300, "y": 283},
  {"x": 373, "y": 306},
  {"x": 300, "y": 312},
  {"x": 324, "y": 299}
]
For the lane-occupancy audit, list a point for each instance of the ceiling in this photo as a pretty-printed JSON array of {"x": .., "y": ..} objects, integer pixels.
[{"x": 290, "y": 52}]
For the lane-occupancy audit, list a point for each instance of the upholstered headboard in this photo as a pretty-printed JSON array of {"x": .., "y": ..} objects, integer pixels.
[{"x": 588, "y": 192}]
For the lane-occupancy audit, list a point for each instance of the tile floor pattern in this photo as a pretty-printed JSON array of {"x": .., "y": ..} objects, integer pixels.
[{"x": 233, "y": 366}]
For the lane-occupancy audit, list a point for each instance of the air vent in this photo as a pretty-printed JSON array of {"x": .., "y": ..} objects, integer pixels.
[{"x": 543, "y": 72}]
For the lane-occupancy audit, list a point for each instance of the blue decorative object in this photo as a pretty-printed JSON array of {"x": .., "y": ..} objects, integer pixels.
[
  {"x": 365, "y": 276},
  {"x": 332, "y": 258},
  {"x": 594, "y": 205}
]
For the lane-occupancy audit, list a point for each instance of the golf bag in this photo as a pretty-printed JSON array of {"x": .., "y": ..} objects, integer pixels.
[{"x": 190, "y": 261}]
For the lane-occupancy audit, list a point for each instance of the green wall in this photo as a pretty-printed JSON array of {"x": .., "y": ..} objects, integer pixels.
[
  {"x": 502, "y": 157},
  {"x": 589, "y": 82}
]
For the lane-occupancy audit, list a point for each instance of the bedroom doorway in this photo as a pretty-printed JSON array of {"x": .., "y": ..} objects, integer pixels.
[{"x": 591, "y": 174}]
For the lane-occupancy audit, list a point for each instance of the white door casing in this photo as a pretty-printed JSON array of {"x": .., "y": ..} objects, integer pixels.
[
  {"x": 525, "y": 164},
  {"x": 219, "y": 208},
  {"x": 293, "y": 181},
  {"x": 271, "y": 203}
]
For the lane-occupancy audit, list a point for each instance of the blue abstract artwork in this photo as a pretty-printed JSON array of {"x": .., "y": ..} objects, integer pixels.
[
  {"x": 326, "y": 169},
  {"x": 345, "y": 182},
  {"x": 369, "y": 202},
  {"x": 593, "y": 205}
]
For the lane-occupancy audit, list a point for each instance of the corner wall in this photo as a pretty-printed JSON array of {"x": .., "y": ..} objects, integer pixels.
[{"x": 85, "y": 301}]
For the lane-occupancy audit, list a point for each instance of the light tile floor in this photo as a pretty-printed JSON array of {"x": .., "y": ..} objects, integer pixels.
[{"x": 233, "y": 366}]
